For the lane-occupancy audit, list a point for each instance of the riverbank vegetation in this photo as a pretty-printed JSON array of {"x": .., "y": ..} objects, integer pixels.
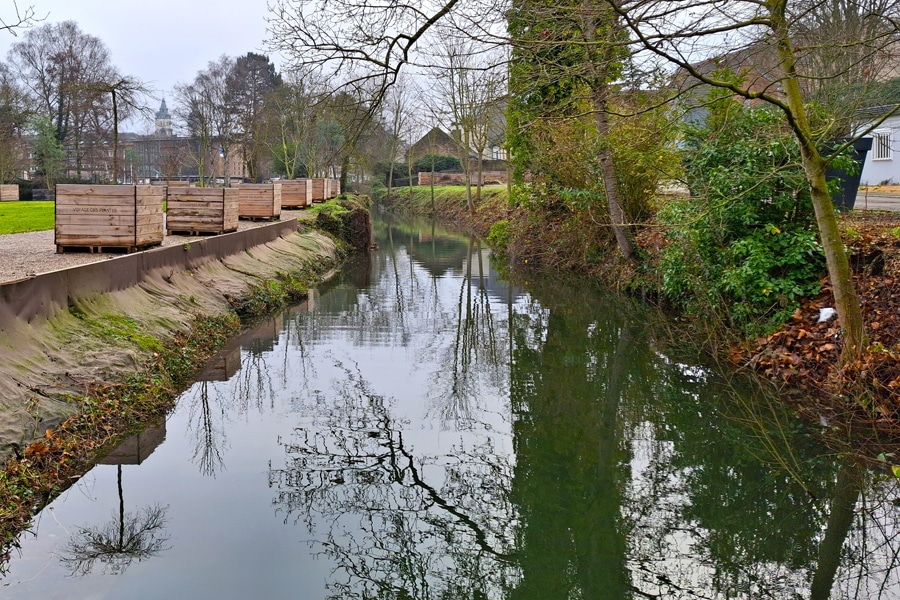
[
  {"x": 168, "y": 335},
  {"x": 744, "y": 278},
  {"x": 682, "y": 152}
]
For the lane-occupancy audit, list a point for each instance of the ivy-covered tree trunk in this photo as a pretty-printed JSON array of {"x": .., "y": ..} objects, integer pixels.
[{"x": 345, "y": 171}]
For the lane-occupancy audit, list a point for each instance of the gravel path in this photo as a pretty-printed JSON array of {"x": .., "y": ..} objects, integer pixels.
[{"x": 27, "y": 254}]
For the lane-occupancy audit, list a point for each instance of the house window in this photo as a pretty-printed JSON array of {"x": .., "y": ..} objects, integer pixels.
[
  {"x": 881, "y": 145},
  {"x": 498, "y": 153}
]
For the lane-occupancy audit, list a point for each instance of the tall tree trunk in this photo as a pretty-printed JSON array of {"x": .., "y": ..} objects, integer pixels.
[
  {"x": 846, "y": 302},
  {"x": 467, "y": 171},
  {"x": 599, "y": 54},
  {"x": 608, "y": 175},
  {"x": 409, "y": 174},
  {"x": 345, "y": 171},
  {"x": 480, "y": 180},
  {"x": 115, "y": 109},
  {"x": 390, "y": 181}
]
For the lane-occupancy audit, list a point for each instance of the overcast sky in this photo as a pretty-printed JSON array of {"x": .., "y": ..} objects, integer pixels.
[{"x": 161, "y": 42}]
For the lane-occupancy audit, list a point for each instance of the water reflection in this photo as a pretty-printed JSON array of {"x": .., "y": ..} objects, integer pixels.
[
  {"x": 240, "y": 378},
  {"x": 425, "y": 429},
  {"x": 129, "y": 536},
  {"x": 381, "y": 514},
  {"x": 474, "y": 360},
  {"x": 631, "y": 475}
]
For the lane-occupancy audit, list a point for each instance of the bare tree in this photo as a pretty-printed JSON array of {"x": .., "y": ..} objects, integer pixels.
[
  {"x": 844, "y": 48},
  {"x": 214, "y": 83},
  {"x": 471, "y": 79},
  {"x": 310, "y": 131},
  {"x": 196, "y": 114},
  {"x": 297, "y": 116},
  {"x": 454, "y": 82},
  {"x": 61, "y": 66},
  {"x": 349, "y": 129},
  {"x": 398, "y": 109},
  {"x": 359, "y": 47},
  {"x": 287, "y": 118},
  {"x": 209, "y": 117},
  {"x": 354, "y": 41},
  {"x": 118, "y": 543},
  {"x": 127, "y": 98},
  {"x": 22, "y": 18}
]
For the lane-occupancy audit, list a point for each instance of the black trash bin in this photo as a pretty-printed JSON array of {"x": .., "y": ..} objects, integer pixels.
[{"x": 845, "y": 196}]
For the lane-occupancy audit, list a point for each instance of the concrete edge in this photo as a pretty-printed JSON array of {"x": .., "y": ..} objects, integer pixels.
[{"x": 44, "y": 294}]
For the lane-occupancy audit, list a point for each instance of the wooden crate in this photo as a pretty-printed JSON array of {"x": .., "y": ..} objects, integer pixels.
[
  {"x": 334, "y": 188},
  {"x": 195, "y": 210},
  {"x": 100, "y": 217},
  {"x": 319, "y": 189},
  {"x": 296, "y": 193},
  {"x": 260, "y": 201},
  {"x": 9, "y": 192}
]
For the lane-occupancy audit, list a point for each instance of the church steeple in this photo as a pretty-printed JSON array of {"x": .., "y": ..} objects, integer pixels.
[{"x": 163, "y": 121}]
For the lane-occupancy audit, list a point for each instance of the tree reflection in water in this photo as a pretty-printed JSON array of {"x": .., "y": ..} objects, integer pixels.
[
  {"x": 376, "y": 510},
  {"x": 115, "y": 545},
  {"x": 240, "y": 379},
  {"x": 207, "y": 427},
  {"x": 630, "y": 475},
  {"x": 472, "y": 362}
]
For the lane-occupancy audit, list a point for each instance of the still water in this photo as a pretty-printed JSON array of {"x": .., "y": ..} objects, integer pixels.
[{"x": 423, "y": 429}]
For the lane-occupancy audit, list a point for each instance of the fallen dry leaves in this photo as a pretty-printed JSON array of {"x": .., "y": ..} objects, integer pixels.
[{"x": 802, "y": 357}]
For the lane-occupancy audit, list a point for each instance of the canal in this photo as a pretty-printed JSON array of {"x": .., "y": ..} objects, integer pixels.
[{"x": 423, "y": 429}]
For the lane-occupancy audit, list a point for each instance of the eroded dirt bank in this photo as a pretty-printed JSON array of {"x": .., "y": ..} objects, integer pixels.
[{"x": 50, "y": 362}]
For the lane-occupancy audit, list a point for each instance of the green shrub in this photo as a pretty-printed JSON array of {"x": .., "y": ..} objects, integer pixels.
[
  {"x": 498, "y": 236},
  {"x": 436, "y": 162},
  {"x": 378, "y": 191},
  {"x": 382, "y": 173},
  {"x": 744, "y": 245}
]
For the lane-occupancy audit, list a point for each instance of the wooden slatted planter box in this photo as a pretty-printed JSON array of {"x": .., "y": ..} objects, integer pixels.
[
  {"x": 194, "y": 210},
  {"x": 319, "y": 190},
  {"x": 101, "y": 217},
  {"x": 334, "y": 188},
  {"x": 9, "y": 192},
  {"x": 296, "y": 193},
  {"x": 260, "y": 201}
]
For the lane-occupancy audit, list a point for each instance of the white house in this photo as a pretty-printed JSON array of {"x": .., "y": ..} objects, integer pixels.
[{"x": 882, "y": 164}]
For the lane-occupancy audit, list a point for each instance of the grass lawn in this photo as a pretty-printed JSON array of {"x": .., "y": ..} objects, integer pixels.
[{"x": 18, "y": 217}]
